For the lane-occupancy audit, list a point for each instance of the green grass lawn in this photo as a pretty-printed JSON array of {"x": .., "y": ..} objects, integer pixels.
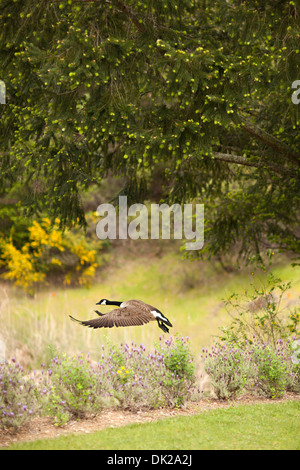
[{"x": 274, "y": 426}]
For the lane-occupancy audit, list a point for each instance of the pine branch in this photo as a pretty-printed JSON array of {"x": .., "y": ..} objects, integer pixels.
[
  {"x": 132, "y": 16},
  {"x": 124, "y": 8},
  {"x": 237, "y": 159},
  {"x": 271, "y": 141}
]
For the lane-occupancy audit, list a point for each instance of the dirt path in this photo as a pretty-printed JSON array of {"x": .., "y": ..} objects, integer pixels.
[{"x": 43, "y": 428}]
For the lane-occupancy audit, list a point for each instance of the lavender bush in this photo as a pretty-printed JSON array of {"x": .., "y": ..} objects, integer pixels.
[
  {"x": 257, "y": 366},
  {"x": 229, "y": 370},
  {"x": 255, "y": 350},
  {"x": 125, "y": 376},
  {"x": 162, "y": 377},
  {"x": 273, "y": 372},
  {"x": 18, "y": 396},
  {"x": 179, "y": 373},
  {"x": 73, "y": 389}
]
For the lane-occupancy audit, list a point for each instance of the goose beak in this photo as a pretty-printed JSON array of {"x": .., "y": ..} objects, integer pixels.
[{"x": 98, "y": 303}]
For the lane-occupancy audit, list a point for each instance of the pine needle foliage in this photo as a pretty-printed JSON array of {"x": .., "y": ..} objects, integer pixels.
[{"x": 198, "y": 91}]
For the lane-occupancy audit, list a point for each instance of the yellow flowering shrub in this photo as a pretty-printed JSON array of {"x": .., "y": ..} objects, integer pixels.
[
  {"x": 85, "y": 257},
  {"x": 43, "y": 235},
  {"x": 48, "y": 250},
  {"x": 20, "y": 267}
]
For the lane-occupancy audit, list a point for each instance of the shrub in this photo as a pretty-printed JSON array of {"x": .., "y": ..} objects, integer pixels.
[
  {"x": 139, "y": 380},
  {"x": 268, "y": 351},
  {"x": 134, "y": 378},
  {"x": 272, "y": 368},
  {"x": 295, "y": 358},
  {"x": 46, "y": 251},
  {"x": 20, "y": 266},
  {"x": 261, "y": 314},
  {"x": 73, "y": 389},
  {"x": 129, "y": 377},
  {"x": 228, "y": 368},
  {"x": 295, "y": 348},
  {"x": 126, "y": 376},
  {"x": 19, "y": 397},
  {"x": 180, "y": 370},
  {"x": 257, "y": 367}
]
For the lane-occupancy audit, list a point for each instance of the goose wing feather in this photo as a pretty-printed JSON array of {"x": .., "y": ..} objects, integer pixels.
[{"x": 125, "y": 316}]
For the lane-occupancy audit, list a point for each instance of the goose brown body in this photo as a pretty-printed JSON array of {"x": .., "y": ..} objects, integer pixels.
[{"x": 129, "y": 313}]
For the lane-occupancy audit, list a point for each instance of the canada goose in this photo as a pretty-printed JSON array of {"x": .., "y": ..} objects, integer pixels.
[{"x": 130, "y": 313}]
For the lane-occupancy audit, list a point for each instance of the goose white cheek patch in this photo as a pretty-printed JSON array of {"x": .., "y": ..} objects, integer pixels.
[{"x": 158, "y": 315}]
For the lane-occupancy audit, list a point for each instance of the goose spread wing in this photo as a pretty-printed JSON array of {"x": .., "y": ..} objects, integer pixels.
[{"x": 117, "y": 317}]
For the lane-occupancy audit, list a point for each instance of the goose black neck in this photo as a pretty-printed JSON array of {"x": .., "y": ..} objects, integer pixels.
[{"x": 113, "y": 302}]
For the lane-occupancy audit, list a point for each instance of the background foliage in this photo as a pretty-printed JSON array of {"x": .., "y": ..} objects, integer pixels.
[
  {"x": 48, "y": 251},
  {"x": 195, "y": 95}
]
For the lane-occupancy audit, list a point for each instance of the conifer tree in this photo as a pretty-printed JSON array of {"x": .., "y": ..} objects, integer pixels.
[{"x": 197, "y": 91}]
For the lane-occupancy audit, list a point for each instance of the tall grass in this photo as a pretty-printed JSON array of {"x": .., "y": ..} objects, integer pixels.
[{"x": 190, "y": 295}]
